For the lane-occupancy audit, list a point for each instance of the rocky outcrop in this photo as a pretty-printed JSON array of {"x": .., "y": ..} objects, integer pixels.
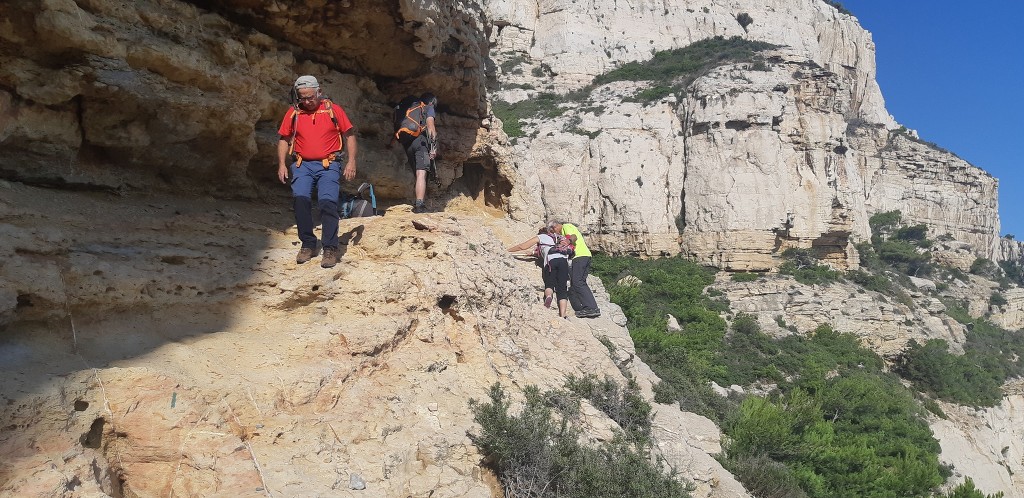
[
  {"x": 783, "y": 307},
  {"x": 1010, "y": 250},
  {"x": 187, "y": 354},
  {"x": 179, "y": 96}
]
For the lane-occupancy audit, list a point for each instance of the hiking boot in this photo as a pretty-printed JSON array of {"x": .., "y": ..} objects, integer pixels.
[
  {"x": 305, "y": 254},
  {"x": 419, "y": 208},
  {"x": 588, "y": 313},
  {"x": 330, "y": 257}
]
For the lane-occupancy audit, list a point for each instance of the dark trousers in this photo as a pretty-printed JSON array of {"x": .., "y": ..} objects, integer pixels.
[
  {"x": 328, "y": 184},
  {"x": 556, "y": 276},
  {"x": 580, "y": 296},
  {"x": 417, "y": 151}
]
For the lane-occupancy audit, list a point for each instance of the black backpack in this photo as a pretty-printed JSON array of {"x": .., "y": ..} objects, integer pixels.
[
  {"x": 356, "y": 206},
  {"x": 410, "y": 116}
]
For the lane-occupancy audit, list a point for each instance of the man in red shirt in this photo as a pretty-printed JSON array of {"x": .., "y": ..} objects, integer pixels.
[{"x": 313, "y": 130}]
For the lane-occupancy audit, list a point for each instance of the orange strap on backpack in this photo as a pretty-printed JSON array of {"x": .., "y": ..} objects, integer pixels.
[
  {"x": 411, "y": 132},
  {"x": 295, "y": 129}
]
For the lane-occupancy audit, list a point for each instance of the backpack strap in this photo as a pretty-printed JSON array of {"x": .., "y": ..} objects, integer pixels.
[
  {"x": 295, "y": 131},
  {"x": 334, "y": 119},
  {"x": 420, "y": 122}
]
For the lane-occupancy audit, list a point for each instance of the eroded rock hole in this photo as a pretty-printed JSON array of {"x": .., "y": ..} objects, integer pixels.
[
  {"x": 446, "y": 302},
  {"x": 737, "y": 125},
  {"x": 94, "y": 437},
  {"x": 81, "y": 405},
  {"x": 482, "y": 182},
  {"x": 24, "y": 301}
]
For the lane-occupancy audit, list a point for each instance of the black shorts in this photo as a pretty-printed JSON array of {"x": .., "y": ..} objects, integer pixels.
[{"x": 417, "y": 150}]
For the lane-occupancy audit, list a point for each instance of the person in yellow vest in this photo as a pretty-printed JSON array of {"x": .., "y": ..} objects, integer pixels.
[{"x": 580, "y": 296}]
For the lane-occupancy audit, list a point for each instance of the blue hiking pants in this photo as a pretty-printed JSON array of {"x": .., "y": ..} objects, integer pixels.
[{"x": 327, "y": 181}]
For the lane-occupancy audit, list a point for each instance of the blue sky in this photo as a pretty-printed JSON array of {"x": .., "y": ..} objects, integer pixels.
[{"x": 954, "y": 71}]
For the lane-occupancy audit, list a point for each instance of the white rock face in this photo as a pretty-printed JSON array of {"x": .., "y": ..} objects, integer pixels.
[
  {"x": 884, "y": 325},
  {"x": 747, "y": 162},
  {"x": 986, "y": 444},
  {"x": 1011, "y": 250},
  {"x": 1010, "y": 316}
]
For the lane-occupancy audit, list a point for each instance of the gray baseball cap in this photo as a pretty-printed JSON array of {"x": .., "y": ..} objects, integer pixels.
[{"x": 306, "y": 81}]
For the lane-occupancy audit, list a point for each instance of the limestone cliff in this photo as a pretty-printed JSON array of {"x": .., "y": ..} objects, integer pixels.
[{"x": 746, "y": 161}]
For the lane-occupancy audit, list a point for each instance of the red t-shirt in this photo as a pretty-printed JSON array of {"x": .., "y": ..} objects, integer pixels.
[{"x": 317, "y": 136}]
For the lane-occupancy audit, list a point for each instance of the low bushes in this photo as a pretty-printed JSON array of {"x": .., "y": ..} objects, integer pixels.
[
  {"x": 537, "y": 453},
  {"x": 834, "y": 424},
  {"x": 991, "y": 356},
  {"x": 806, "y": 269}
]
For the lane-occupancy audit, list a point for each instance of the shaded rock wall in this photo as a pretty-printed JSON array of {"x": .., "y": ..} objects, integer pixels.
[{"x": 187, "y": 96}]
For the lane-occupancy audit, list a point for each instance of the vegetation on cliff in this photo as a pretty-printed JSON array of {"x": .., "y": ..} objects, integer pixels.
[
  {"x": 537, "y": 452},
  {"x": 668, "y": 71},
  {"x": 829, "y": 419}
]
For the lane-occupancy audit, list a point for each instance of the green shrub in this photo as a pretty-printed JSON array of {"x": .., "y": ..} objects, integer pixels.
[
  {"x": 837, "y": 423},
  {"x": 967, "y": 489},
  {"x": 997, "y": 299},
  {"x": 540, "y": 106},
  {"x": 884, "y": 224},
  {"x": 744, "y": 276},
  {"x": 806, "y": 269},
  {"x": 1014, "y": 271},
  {"x": 764, "y": 477},
  {"x": 744, "y": 19},
  {"x": 838, "y": 436},
  {"x": 895, "y": 246},
  {"x": 933, "y": 369},
  {"x": 651, "y": 94},
  {"x": 877, "y": 283},
  {"x": 511, "y": 65},
  {"x": 917, "y": 235},
  {"x": 670, "y": 71},
  {"x": 624, "y": 405},
  {"x": 904, "y": 257},
  {"x": 984, "y": 267},
  {"x": 991, "y": 356},
  {"x": 537, "y": 452},
  {"x": 839, "y": 7}
]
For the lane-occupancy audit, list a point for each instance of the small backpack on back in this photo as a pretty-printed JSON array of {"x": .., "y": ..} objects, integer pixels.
[
  {"x": 410, "y": 117},
  {"x": 562, "y": 245}
]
